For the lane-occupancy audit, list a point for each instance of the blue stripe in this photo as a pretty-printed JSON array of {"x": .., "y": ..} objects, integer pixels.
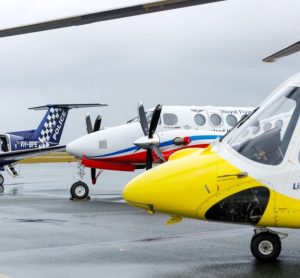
[{"x": 164, "y": 144}]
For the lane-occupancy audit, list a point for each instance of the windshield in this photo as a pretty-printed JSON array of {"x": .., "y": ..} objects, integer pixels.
[
  {"x": 137, "y": 119},
  {"x": 265, "y": 136}
]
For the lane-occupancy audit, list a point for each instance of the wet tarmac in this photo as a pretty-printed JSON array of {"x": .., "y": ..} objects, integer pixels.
[{"x": 44, "y": 234}]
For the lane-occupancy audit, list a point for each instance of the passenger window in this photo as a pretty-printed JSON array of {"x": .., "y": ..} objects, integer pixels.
[
  {"x": 255, "y": 129},
  {"x": 215, "y": 119},
  {"x": 267, "y": 126},
  {"x": 231, "y": 120},
  {"x": 279, "y": 123},
  {"x": 200, "y": 119},
  {"x": 170, "y": 119}
]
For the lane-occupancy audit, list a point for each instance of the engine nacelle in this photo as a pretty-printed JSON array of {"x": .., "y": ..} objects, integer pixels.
[{"x": 182, "y": 141}]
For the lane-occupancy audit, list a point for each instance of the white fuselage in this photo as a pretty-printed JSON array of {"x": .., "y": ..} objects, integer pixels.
[{"x": 201, "y": 124}]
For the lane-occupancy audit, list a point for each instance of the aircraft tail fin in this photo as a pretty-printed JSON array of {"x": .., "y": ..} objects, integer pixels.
[{"x": 51, "y": 127}]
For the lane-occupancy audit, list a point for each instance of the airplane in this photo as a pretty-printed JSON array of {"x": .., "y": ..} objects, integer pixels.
[
  {"x": 250, "y": 177},
  {"x": 256, "y": 197},
  {"x": 47, "y": 134},
  {"x": 149, "y": 138}
]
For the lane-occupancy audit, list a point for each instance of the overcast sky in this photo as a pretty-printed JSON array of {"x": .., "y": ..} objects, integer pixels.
[{"x": 203, "y": 55}]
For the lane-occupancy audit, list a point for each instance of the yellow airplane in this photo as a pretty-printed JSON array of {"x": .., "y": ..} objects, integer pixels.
[{"x": 252, "y": 176}]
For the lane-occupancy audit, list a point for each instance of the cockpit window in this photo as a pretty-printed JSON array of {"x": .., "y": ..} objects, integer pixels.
[
  {"x": 265, "y": 137},
  {"x": 170, "y": 119}
]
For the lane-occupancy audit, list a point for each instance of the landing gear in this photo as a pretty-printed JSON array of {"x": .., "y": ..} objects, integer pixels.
[
  {"x": 266, "y": 245},
  {"x": 1, "y": 184},
  {"x": 1, "y": 180},
  {"x": 79, "y": 191}
]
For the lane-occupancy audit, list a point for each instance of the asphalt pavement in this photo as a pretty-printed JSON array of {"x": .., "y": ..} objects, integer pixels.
[{"x": 44, "y": 234}]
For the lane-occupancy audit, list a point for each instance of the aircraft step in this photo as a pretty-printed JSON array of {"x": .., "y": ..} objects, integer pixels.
[{"x": 10, "y": 168}]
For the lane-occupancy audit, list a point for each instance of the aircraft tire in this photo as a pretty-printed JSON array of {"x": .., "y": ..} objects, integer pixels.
[
  {"x": 1, "y": 188},
  {"x": 1, "y": 180},
  {"x": 79, "y": 190},
  {"x": 266, "y": 246}
]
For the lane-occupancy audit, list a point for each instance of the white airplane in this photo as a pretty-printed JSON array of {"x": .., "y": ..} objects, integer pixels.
[
  {"x": 150, "y": 138},
  {"x": 252, "y": 176}
]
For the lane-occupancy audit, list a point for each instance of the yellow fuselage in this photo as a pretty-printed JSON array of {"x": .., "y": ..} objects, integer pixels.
[{"x": 202, "y": 185}]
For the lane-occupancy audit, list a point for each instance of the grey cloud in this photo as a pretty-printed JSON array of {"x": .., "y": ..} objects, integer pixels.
[{"x": 196, "y": 56}]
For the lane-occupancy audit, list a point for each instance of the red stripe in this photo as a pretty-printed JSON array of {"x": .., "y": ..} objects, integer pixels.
[
  {"x": 126, "y": 162},
  {"x": 90, "y": 163}
]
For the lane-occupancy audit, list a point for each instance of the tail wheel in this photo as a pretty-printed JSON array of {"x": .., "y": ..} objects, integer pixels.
[
  {"x": 266, "y": 246},
  {"x": 1, "y": 180},
  {"x": 79, "y": 190}
]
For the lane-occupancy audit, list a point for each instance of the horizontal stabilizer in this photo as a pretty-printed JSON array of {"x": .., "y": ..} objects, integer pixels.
[
  {"x": 284, "y": 52},
  {"x": 128, "y": 11},
  {"x": 19, "y": 155},
  {"x": 68, "y": 106}
]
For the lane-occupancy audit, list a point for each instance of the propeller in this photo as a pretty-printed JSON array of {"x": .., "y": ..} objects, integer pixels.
[
  {"x": 90, "y": 129},
  {"x": 151, "y": 141}
]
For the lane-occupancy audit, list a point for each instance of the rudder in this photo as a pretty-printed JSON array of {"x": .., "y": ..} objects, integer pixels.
[{"x": 51, "y": 127}]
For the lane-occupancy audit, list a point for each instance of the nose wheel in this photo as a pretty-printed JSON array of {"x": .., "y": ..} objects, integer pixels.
[
  {"x": 79, "y": 191},
  {"x": 266, "y": 245}
]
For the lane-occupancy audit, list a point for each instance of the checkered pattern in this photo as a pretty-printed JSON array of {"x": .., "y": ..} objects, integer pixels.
[{"x": 49, "y": 127}]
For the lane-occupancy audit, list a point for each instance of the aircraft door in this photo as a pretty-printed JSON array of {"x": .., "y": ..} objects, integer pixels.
[
  {"x": 4, "y": 143},
  {"x": 291, "y": 188}
]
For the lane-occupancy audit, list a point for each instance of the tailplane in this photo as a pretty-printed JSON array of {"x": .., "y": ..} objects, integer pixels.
[{"x": 51, "y": 127}]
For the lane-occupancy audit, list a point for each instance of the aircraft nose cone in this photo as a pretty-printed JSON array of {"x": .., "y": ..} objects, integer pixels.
[
  {"x": 136, "y": 193},
  {"x": 75, "y": 148},
  {"x": 177, "y": 187}
]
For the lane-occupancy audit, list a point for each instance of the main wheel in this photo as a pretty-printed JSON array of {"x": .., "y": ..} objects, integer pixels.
[
  {"x": 1, "y": 180},
  {"x": 266, "y": 246},
  {"x": 1, "y": 188},
  {"x": 79, "y": 190}
]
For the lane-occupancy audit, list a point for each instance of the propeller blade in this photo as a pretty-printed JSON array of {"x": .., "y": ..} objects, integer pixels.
[
  {"x": 157, "y": 151},
  {"x": 155, "y": 120},
  {"x": 149, "y": 159},
  {"x": 143, "y": 119},
  {"x": 97, "y": 123},
  {"x": 89, "y": 127},
  {"x": 93, "y": 175}
]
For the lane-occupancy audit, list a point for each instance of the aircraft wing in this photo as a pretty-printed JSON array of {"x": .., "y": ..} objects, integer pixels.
[
  {"x": 68, "y": 106},
  {"x": 135, "y": 10},
  {"x": 8, "y": 157},
  {"x": 284, "y": 52}
]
